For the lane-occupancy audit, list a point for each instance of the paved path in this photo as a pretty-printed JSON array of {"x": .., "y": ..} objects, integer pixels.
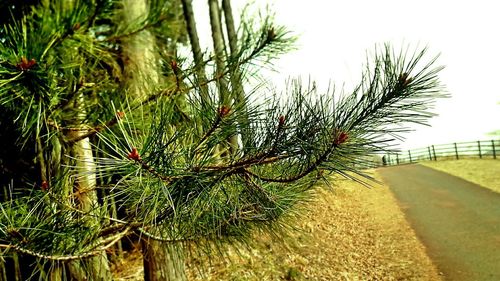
[{"x": 458, "y": 221}]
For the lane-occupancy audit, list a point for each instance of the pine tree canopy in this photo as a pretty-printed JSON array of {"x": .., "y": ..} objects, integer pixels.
[{"x": 188, "y": 153}]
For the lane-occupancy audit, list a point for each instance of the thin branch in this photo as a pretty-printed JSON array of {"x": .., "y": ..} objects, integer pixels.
[
  {"x": 244, "y": 163},
  {"x": 304, "y": 173},
  {"x": 161, "y": 239},
  {"x": 92, "y": 131},
  {"x": 97, "y": 251}
]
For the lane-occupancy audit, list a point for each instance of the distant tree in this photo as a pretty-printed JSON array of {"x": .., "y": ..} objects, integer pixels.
[{"x": 107, "y": 132}]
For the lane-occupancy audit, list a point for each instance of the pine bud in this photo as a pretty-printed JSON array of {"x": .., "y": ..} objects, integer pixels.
[
  {"x": 44, "y": 186},
  {"x": 175, "y": 67},
  {"x": 26, "y": 65},
  {"x": 404, "y": 80},
  {"x": 120, "y": 115},
  {"x": 224, "y": 111},
  {"x": 271, "y": 34},
  {"x": 281, "y": 121},
  {"x": 341, "y": 138},
  {"x": 134, "y": 155}
]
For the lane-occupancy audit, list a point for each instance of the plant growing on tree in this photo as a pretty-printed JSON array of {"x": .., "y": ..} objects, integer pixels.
[{"x": 108, "y": 133}]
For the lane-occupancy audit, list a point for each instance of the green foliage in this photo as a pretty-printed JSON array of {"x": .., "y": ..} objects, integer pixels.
[{"x": 165, "y": 164}]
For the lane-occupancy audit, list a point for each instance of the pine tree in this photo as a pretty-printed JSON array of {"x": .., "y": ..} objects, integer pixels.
[{"x": 108, "y": 132}]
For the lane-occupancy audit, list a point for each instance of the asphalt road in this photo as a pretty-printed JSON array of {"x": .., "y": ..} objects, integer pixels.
[{"x": 458, "y": 221}]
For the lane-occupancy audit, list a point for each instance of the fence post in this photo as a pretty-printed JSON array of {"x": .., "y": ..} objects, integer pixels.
[
  {"x": 429, "y": 150},
  {"x": 494, "y": 151},
  {"x": 409, "y": 154},
  {"x": 479, "y": 148},
  {"x": 434, "y": 151},
  {"x": 456, "y": 150}
]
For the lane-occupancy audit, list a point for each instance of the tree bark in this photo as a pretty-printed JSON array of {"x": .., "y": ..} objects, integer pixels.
[
  {"x": 238, "y": 92},
  {"x": 220, "y": 55},
  {"x": 166, "y": 263},
  {"x": 97, "y": 267},
  {"x": 189, "y": 18},
  {"x": 94, "y": 268},
  {"x": 161, "y": 263},
  {"x": 236, "y": 83},
  {"x": 219, "y": 50}
]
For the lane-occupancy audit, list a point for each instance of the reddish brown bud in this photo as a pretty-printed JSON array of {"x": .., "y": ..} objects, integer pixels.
[
  {"x": 341, "y": 138},
  {"x": 25, "y": 65},
  {"x": 271, "y": 34},
  {"x": 134, "y": 155},
  {"x": 44, "y": 186},
  {"x": 76, "y": 26},
  {"x": 120, "y": 114},
  {"x": 224, "y": 111},
  {"x": 404, "y": 80},
  {"x": 281, "y": 120},
  {"x": 174, "y": 66},
  {"x": 408, "y": 81}
]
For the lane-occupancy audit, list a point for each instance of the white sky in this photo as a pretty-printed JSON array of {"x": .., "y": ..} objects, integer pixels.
[{"x": 334, "y": 37}]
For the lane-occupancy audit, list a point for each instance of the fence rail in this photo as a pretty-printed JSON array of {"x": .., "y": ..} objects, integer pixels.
[{"x": 457, "y": 150}]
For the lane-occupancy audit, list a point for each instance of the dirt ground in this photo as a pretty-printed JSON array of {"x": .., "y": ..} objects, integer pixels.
[{"x": 350, "y": 233}]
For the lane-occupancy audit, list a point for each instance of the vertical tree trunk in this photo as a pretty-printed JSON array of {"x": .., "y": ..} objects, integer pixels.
[
  {"x": 94, "y": 268},
  {"x": 219, "y": 49},
  {"x": 97, "y": 267},
  {"x": 236, "y": 82},
  {"x": 201, "y": 76},
  {"x": 236, "y": 79},
  {"x": 165, "y": 263},
  {"x": 161, "y": 262}
]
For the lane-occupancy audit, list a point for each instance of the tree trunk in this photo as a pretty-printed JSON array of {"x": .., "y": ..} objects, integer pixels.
[
  {"x": 201, "y": 76},
  {"x": 236, "y": 79},
  {"x": 97, "y": 267},
  {"x": 219, "y": 49},
  {"x": 236, "y": 83},
  {"x": 160, "y": 261},
  {"x": 83, "y": 187}
]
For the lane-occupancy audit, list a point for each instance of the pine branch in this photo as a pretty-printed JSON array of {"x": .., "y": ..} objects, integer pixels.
[
  {"x": 221, "y": 114},
  {"x": 110, "y": 241},
  {"x": 245, "y": 163},
  {"x": 92, "y": 131},
  {"x": 134, "y": 155},
  {"x": 340, "y": 139}
]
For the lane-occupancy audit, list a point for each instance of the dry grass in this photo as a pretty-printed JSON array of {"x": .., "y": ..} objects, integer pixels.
[
  {"x": 351, "y": 233},
  {"x": 485, "y": 172}
]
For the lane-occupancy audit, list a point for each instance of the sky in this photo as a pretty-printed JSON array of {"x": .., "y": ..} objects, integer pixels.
[{"x": 335, "y": 36}]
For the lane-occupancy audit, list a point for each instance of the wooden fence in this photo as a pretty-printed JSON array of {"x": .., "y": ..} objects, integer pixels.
[{"x": 476, "y": 149}]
